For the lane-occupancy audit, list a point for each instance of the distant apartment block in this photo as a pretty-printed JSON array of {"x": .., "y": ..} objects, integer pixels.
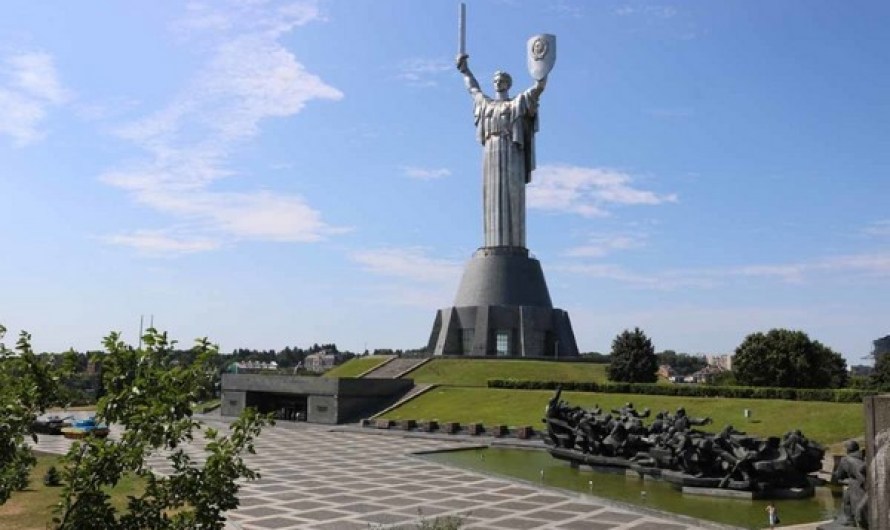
[
  {"x": 321, "y": 361},
  {"x": 882, "y": 347},
  {"x": 722, "y": 361}
]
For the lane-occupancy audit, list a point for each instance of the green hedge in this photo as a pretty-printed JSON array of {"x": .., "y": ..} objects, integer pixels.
[{"x": 838, "y": 395}]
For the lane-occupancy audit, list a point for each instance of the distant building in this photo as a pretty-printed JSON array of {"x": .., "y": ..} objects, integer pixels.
[
  {"x": 321, "y": 361},
  {"x": 882, "y": 347},
  {"x": 252, "y": 367},
  {"x": 861, "y": 370},
  {"x": 722, "y": 361},
  {"x": 705, "y": 375},
  {"x": 665, "y": 370}
]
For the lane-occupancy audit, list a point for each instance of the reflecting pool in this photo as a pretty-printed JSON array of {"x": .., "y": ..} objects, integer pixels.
[{"x": 539, "y": 467}]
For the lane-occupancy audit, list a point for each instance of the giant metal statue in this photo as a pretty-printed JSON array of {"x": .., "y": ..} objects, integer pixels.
[
  {"x": 503, "y": 305},
  {"x": 506, "y": 128}
]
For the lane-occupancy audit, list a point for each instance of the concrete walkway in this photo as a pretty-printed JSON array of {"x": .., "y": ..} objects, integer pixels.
[{"x": 317, "y": 478}]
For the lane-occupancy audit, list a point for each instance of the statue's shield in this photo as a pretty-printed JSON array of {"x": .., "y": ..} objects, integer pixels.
[{"x": 541, "y": 55}]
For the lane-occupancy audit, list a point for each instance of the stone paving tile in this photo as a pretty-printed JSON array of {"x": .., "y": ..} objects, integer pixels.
[
  {"x": 402, "y": 501},
  {"x": 621, "y": 517},
  {"x": 517, "y": 523},
  {"x": 361, "y": 507},
  {"x": 518, "y": 506},
  {"x": 544, "y": 498},
  {"x": 515, "y": 491},
  {"x": 285, "y": 496},
  {"x": 260, "y": 511},
  {"x": 586, "y": 525},
  {"x": 487, "y": 513},
  {"x": 340, "y": 525},
  {"x": 652, "y": 525},
  {"x": 301, "y": 506},
  {"x": 487, "y": 497},
  {"x": 276, "y": 522},
  {"x": 551, "y": 515},
  {"x": 429, "y": 495},
  {"x": 321, "y": 515},
  {"x": 425, "y": 511},
  {"x": 387, "y": 518},
  {"x": 456, "y": 503},
  {"x": 577, "y": 507},
  {"x": 341, "y": 499}
]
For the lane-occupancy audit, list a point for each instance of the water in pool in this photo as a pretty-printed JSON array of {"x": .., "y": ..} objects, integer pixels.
[{"x": 540, "y": 467}]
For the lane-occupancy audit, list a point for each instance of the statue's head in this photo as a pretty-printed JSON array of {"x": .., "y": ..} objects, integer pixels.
[
  {"x": 851, "y": 446},
  {"x": 502, "y": 81}
]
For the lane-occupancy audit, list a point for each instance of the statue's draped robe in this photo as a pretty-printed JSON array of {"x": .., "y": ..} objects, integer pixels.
[{"x": 506, "y": 129}]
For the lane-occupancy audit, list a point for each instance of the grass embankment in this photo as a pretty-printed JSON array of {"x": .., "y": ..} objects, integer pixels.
[
  {"x": 32, "y": 508},
  {"x": 477, "y": 372},
  {"x": 460, "y": 398},
  {"x": 357, "y": 366}
]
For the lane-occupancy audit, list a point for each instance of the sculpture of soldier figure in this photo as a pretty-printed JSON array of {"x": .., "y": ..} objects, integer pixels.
[
  {"x": 506, "y": 128},
  {"x": 851, "y": 469}
]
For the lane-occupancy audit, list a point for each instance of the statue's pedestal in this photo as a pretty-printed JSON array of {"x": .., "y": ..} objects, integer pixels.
[{"x": 503, "y": 308}]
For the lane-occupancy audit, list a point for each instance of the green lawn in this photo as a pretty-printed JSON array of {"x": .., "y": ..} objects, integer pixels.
[
  {"x": 826, "y": 423},
  {"x": 477, "y": 372},
  {"x": 32, "y": 508},
  {"x": 356, "y": 366}
]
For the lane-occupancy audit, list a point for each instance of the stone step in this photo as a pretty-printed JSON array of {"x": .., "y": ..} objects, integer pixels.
[{"x": 395, "y": 368}]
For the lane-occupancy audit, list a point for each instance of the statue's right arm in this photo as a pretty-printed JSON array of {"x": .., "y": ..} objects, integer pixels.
[{"x": 469, "y": 78}]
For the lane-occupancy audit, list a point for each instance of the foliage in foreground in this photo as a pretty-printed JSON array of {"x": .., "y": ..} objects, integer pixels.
[
  {"x": 150, "y": 396},
  {"x": 28, "y": 386}
]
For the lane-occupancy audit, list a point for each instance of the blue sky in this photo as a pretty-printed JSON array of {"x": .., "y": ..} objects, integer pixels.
[{"x": 271, "y": 174}]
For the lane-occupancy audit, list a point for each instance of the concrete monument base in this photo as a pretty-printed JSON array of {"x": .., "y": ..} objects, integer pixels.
[{"x": 503, "y": 309}]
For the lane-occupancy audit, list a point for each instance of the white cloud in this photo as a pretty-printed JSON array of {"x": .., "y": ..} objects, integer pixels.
[
  {"x": 157, "y": 242},
  {"x": 851, "y": 266},
  {"x": 654, "y": 11},
  {"x": 563, "y": 8},
  {"x": 602, "y": 245},
  {"x": 412, "y": 264},
  {"x": 878, "y": 228},
  {"x": 415, "y": 279},
  {"x": 587, "y": 191},
  {"x": 31, "y": 87},
  {"x": 248, "y": 77},
  {"x": 420, "y": 173},
  {"x": 423, "y": 72}
]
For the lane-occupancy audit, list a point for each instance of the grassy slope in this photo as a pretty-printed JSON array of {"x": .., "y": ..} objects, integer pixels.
[
  {"x": 476, "y": 372},
  {"x": 824, "y": 422},
  {"x": 356, "y": 366},
  {"x": 33, "y": 508}
]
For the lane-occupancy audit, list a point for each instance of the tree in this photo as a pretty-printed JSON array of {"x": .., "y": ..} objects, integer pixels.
[
  {"x": 149, "y": 393},
  {"x": 881, "y": 376},
  {"x": 633, "y": 358},
  {"x": 787, "y": 358},
  {"x": 681, "y": 363},
  {"x": 28, "y": 386}
]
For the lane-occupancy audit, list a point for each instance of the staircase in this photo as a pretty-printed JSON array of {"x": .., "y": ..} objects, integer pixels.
[{"x": 395, "y": 368}]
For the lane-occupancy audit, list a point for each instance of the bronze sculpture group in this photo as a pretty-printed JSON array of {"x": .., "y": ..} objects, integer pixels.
[{"x": 671, "y": 448}]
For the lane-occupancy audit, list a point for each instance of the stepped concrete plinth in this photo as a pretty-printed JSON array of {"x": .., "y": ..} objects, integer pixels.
[{"x": 503, "y": 308}]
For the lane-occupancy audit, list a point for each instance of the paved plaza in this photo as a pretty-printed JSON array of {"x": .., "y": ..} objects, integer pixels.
[{"x": 314, "y": 477}]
